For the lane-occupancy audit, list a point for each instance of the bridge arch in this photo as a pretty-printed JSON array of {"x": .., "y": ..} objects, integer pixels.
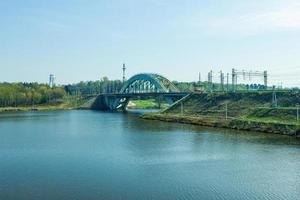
[{"x": 148, "y": 82}]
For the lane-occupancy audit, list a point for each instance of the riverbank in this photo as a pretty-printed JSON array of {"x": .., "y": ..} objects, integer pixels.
[
  {"x": 146, "y": 104},
  {"x": 244, "y": 111},
  {"x": 238, "y": 124},
  {"x": 37, "y": 108},
  {"x": 67, "y": 103}
]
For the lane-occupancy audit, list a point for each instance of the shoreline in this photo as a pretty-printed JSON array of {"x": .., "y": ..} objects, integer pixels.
[
  {"x": 284, "y": 128},
  {"x": 36, "y": 108},
  {"x": 290, "y": 129}
]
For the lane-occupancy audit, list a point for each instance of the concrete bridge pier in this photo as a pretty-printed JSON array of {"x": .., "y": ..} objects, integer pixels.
[{"x": 103, "y": 102}]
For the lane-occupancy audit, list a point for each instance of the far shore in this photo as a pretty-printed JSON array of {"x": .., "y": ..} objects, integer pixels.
[{"x": 37, "y": 108}]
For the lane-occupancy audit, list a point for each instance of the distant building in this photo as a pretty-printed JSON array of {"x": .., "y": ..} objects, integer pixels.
[{"x": 51, "y": 80}]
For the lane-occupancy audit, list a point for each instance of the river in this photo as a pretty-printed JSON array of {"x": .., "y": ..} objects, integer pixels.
[{"x": 93, "y": 155}]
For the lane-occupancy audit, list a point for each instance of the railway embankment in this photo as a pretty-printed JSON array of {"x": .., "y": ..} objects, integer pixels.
[{"x": 252, "y": 111}]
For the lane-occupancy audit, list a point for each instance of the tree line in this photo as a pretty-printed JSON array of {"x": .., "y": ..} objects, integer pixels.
[
  {"x": 104, "y": 85},
  {"x": 27, "y": 94}
]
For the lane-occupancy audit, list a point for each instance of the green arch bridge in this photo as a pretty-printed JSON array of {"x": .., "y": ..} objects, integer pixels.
[{"x": 140, "y": 85}]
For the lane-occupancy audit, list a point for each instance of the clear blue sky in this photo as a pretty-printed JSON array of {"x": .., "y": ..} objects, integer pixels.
[{"x": 88, "y": 39}]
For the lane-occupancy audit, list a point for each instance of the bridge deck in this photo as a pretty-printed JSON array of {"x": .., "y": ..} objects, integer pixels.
[{"x": 151, "y": 94}]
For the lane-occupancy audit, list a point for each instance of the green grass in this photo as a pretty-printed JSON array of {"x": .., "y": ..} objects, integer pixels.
[
  {"x": 146, "y": 104},
  {"x": 271, "y": 120},
  {"x": 262, "y": 125},
  {"x": 36, "y": 108},
  {"x": 62, "y": 104},
  {"x": 248, "y": 111}
]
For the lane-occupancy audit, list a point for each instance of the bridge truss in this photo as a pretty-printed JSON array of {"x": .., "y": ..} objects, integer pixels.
[{"x": 145, "y": 85}]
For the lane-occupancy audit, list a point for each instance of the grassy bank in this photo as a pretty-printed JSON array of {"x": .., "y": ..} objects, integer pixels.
[
  {"x": 245, "y": 111},
  {"x": 68, "y": 103},
  {"x": 146, "y": 104},
  {"x": 36, "y": 108},
  {"x": 238, "y": 124}
]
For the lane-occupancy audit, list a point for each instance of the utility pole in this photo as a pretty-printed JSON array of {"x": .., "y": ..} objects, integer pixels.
[
  {"x": 226, "y": 110},
  {"x": 210, "y": 81},
  {"x": 227, "y": 82},
  {"x": 234, "y": 78},
  {"x": 222, "y": 80},
  {"x": 197, "y": 86},
  {"x": 274, "y": 98},
  {"x": 124, "y": 69},
  {"x": 266, "y": 79},
  {"x": 297, "y": 106},
  {"x": 181, "y": 108}
]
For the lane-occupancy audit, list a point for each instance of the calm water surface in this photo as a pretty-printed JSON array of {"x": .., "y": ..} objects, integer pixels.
[{"x": 96, "y": 155}]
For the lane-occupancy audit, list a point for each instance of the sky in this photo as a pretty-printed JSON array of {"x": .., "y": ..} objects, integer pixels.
[{"x": 80, "y": 40}]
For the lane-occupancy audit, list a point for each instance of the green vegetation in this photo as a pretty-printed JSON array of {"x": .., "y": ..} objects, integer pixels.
[
  {"x": 147, "y": 104},
  {"x": 207, "y": 87},
  {"x": 34, "y": 96},
  {"x": 241, "y": 105},
  {"x": 287, "y": 115},
  {"x": 233, "y": 123},
  {"x": 245, "y": 110},
  {"x": 37, "y": 108},
  {"x": 94, "y": 87},
  {"x": 28, "y": 94},
  {"x": 65, "y": 103}
]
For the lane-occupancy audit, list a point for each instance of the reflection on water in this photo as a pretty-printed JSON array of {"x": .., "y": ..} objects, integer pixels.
[{"x": 102, "y": 155}]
